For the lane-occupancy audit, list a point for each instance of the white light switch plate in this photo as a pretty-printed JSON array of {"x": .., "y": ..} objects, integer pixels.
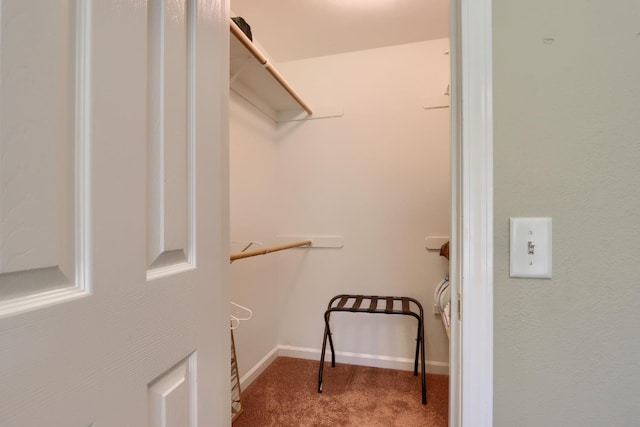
[{"x": 530, "y": 248}]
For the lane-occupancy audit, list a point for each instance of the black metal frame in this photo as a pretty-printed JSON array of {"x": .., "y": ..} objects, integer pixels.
[{"x": 373, "y": 308}]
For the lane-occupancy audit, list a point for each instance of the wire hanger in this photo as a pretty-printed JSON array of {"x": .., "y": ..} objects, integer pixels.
[
  {"x": 248, "y": 244},
  {"x": 241, "y": 314}
]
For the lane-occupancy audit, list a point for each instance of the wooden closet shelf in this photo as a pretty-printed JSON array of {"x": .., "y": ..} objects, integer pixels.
[{"x": 256, "y": 80}]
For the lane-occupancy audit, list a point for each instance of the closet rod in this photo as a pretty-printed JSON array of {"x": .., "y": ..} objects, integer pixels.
[
  {"x": 265, "y": 62},
  {"x": 248, "y": 254}
]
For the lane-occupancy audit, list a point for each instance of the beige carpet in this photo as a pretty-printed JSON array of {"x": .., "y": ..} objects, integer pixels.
[{"x": 285, "y": 395}]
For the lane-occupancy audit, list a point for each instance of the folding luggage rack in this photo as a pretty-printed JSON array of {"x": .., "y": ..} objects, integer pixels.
[{"x": 353, "y": 304}]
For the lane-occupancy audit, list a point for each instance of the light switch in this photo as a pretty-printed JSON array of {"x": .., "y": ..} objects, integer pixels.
[{"x": 530, "y": 247}]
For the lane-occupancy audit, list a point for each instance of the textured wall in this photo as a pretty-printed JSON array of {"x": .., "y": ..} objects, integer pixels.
[{"x": 567, "y": 145}]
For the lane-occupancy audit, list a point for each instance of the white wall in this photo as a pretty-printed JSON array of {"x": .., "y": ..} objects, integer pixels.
[
  {"x": 566, "y": 145},
  {"x": 253, "y": 189},
  {"x": 378, "y": 176}
]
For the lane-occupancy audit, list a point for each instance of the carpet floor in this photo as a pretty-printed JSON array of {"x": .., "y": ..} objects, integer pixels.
[{"x": 285, "y": 395}]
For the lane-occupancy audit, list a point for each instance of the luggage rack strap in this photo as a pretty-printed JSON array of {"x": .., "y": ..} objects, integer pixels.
[{"x": 358, "y": 304}]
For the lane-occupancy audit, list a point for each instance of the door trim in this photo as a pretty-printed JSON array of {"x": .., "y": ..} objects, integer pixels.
[{"x": 471, "y": 394}]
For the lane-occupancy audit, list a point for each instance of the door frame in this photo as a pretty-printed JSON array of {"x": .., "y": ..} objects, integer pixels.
[
  {"x": 471, "y": 356},
  {"x": 471, "y": 255}
]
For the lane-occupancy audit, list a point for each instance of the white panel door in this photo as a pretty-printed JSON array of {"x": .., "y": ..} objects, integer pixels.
[{"x": 113, "y": 213}]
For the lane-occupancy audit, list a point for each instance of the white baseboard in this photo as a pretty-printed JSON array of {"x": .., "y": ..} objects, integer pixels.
[
  {"x": 360, "y": 359},
  {"x": 258, "y": 368}
]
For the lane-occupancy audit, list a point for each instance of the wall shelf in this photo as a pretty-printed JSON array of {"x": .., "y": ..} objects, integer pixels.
[{"x": 258, "y": 82}]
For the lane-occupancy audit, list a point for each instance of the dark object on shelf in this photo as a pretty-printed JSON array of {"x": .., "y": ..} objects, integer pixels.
[
  {"x": 444, "y": 250},
  {"x": 246, "y": 28}
]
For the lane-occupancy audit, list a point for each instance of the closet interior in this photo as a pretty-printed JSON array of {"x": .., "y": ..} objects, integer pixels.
[{"x": 340, "y": 174}]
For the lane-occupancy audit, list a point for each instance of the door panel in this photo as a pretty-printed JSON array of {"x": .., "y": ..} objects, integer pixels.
[
  {"x": 171, "y": 44},
  {"x": 103, "y": 107},
  {"x": 39, "y": 221},
  {"x": 172, "y": 396}
]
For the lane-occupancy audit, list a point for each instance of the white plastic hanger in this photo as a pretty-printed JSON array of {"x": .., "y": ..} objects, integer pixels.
[{"x": 241, "y": 314}]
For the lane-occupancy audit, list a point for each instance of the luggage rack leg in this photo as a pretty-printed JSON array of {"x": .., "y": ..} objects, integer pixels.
[{"x": 327, "y": 334}]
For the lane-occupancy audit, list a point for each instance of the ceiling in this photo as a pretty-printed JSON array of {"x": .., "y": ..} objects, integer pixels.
[{"x": 297, "y": 29}]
